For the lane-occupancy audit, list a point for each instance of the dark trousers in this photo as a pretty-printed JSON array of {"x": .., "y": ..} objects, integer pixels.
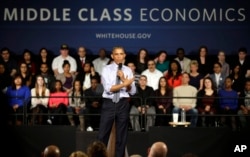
[{"x": 117, "y": 113}]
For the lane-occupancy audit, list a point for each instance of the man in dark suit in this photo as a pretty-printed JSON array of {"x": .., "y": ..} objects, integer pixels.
[
  {"x": 81, "y": 58},
  {"x": 217, "y": 77}
]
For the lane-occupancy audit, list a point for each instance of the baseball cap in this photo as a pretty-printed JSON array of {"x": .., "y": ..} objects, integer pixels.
[{"x": 64, "y": 46}]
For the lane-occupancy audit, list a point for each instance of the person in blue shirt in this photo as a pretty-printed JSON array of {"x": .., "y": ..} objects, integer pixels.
[
  {"x": 18, "y": 97},
  {"x": 228, "y": 104}
]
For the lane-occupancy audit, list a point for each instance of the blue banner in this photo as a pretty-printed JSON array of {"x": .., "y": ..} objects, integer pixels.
[{"x": 134, "y": 24}]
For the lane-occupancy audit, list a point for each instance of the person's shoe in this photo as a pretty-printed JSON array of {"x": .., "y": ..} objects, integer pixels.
[{"x": 90, "y": 129}]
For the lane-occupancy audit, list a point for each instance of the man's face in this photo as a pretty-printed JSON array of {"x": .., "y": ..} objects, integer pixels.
[
  {"x": 118, "y": 55},
  {"x": 143, "y": 81},
  {"x": 64, "y": 52},
  {"x": 151, "y": 66},
  {"x": 82, "y": 52},
  {"x": 5, "y": 55},
  {"x": 247, "y": 86},
  {"x": 185, "y": 78}
]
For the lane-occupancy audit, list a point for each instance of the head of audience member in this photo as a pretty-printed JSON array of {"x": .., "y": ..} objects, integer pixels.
[
  {"x": 228, "y": 83},
  {"x": 97, "y": 149},
  {"x": 242, "y": 53},
  {"x": 203, "y": 50},
  {"x": 236, "y": 69},
  {"x": 143, "y": 81},
  {"x": 247, "y": 85},
  {"x": 64, "y": 50},
  {"x": 221, "y": 56},
  {"x": 158, "y": 149},
  {"x": 185, "y": 78},
  {"x": 162, "y": 56},
  {"x": 27, "y": 56},
  {"x": 143, "y": 55},
  {"x": 87, "y": 67},
  {"x": 151, "y": 65},
  {"x": 217, "y": 67},
  {"x": 51, "y": 151},
  {"x": 66, "y": 66},
  {"x": 43, "y": 53},
  {"x": 44, "y": 68},
  {"x": 208, "y": 83},
  {"x": 78, "y": 153},
  {"x": 180, "y": 53},
  {"x": 2, "y": 69},
  {"x": 81, "y": 52},
  {"x": 174, "y": 67},
  {"x": 5, "y": 54},
  {"x": 194, "y": 65},
  {"x": 102, "y": 53},
  {"x": 131, "y": 65}
]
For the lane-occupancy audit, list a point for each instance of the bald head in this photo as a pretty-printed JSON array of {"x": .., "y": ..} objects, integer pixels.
[
  {"x": 158, "y": 149},
  {"x": 51, "y": 151}
]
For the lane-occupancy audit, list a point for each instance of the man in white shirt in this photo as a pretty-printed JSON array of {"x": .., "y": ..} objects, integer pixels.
[
  {"x": 58, "y": 61},
  {"x": 101, "y": 61},
  {"x": 153, "y": 75}
]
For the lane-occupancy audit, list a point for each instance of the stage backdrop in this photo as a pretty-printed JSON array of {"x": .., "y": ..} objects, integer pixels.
[{"x": 152, "y": 24}]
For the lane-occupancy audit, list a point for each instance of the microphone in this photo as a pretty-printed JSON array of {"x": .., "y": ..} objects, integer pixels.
[{"x": 120, "y": 66}]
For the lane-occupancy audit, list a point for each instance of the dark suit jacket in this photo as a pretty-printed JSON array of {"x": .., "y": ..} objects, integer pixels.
[{"x": 221, "y": 81}]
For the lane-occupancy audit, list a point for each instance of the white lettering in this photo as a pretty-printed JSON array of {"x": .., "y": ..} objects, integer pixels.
[
  {"x": 206, "y": 15},
  {"x": 105, "y": 15},
  {"x": 45, "y": 14},
  {"x": 227, "y": 16}
]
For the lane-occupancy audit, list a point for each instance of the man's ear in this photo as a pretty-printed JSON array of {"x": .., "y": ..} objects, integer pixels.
[{"x": 112, "y": 56}]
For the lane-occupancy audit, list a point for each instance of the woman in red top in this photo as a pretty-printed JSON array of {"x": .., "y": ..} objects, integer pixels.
[
  {"x": 58, "y": 102},
  {"x": 207, "y": 103},
  {"x": 174, "y": 75}
]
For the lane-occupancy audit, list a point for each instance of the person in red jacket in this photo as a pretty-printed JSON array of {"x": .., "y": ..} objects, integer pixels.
[{"x": 58, "y": 102}]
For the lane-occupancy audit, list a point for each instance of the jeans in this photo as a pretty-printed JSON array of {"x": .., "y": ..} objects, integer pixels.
[{"x": 193, "y": 113}]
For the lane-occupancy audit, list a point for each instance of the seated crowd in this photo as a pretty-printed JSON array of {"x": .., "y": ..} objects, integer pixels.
[{"x": 67, "y": 90}]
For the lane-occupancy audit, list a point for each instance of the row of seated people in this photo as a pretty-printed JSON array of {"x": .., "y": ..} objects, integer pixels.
[
  {"x": 209, "y": 106},
  {"x": 156, "y": 105}
]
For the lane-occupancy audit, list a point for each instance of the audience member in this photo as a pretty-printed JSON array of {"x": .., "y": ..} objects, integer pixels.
[
  {"x": 100, "y": 61},
  {"x": 18, "y": 97},
  {"x": 238, "y": 78},
  {"x": 86, "y": 74},
  {"x": 143, "y": 106},
  {"x": 77, "y": 105},
  {"x": 183, "y": 60},
  {"x": 164, "y": 98},
  {"x": 174, "y": 74},
  {"x": 27, "y": 78},
  {"x": 28, "y": 58},
  {"x": 153, "y": 75},
  {"x": 243, "y": 62},
  {"x": 67, "y": 78},
  {"x": 228, "y": 105},
  {"x": 185, "y": 99},
  {"x": 142, "y": 60},
  {"x": 78, "y": 153},
  {"x": 44, "y": 57},
  {"x": 132, "y": 66},
  {"x": 58, "y": 61},
  {"x": 51, "y": 151},
  {"x": 225, "y": 70},
  {"x": 9, "y": 62},
  {"x": 162, "y": 63},
  {"x": 49, "y": 78},
  {"x": 196, "y": 79},
  {"x": 39, "y": 101},
  {"x": 207, "y": 102},
  {"x": 205, "y": 63},
  {"x": 94, "y": 103},
  {"x": 158, "y": 149},
  {"x": 244, "y": 105},
  {"x": 81, "y": 58},
  {"x": 58, "y": 102},
  {"x": 97, "y": 149},
  {"x": 217, "y": 77},
  {"x": 5, "y": 78}
]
